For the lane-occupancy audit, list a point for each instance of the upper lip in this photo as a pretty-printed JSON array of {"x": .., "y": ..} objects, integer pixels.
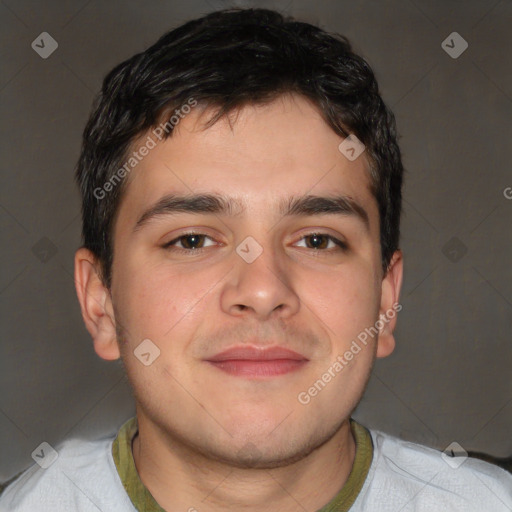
[{"x": 252, "y": 353}]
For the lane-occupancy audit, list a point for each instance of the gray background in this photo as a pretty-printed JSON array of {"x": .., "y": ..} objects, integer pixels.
[{"x": 449, "y": 378}]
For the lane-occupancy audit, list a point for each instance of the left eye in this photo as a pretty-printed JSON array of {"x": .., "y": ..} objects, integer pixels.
[
  {"x": 321, "y": 241},
  {"x": 193, "y": 241}
]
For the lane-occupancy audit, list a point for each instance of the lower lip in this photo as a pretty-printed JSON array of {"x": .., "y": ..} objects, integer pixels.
[{"x": 249, "y": 368}]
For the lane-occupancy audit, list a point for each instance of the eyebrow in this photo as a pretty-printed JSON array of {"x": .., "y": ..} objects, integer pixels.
[{"x": 307, "y": 205}]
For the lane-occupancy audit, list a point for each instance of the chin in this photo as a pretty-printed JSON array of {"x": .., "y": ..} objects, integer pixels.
[{"x": 254, "y": 456}]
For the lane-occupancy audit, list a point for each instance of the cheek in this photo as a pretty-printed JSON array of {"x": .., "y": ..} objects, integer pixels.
[
  {"x": 347, "y": 301},
  {"x": 153, "y": 299}
]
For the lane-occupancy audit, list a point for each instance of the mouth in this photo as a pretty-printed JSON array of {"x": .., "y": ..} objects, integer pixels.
[{"x": 252, "y": 362}]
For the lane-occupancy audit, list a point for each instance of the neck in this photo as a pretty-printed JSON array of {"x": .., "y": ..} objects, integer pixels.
[{"x": 179, "y": 478}]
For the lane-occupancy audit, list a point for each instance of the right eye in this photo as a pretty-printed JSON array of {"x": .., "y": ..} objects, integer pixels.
[{"x": 189, "y": 242}]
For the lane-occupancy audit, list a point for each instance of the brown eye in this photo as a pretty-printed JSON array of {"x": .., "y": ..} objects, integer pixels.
[
  {"x": 189, "y": 242},
  {"x": 321, "y": 241},
  {"x": 192, "y": 241},
  {"x": 317, "y": 241}
]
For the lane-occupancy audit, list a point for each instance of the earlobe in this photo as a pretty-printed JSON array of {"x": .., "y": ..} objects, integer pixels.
[
  {"x": 389, "y": 306},
  {"x": 96, "y": 305}
]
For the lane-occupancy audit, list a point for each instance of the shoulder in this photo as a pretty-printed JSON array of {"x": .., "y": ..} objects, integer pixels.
[
  {"x": 420, "y": 478},
  {"x": 81, "y": 477}
]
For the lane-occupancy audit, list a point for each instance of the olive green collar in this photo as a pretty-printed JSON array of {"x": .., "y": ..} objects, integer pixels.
[{"x": 143, "y": 501}]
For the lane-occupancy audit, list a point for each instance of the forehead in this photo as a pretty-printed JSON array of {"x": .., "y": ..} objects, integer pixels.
[{"x": 259, "y": 155}]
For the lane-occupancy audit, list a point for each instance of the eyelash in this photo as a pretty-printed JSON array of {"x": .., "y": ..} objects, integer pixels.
[{"x": 169, "y": 245}]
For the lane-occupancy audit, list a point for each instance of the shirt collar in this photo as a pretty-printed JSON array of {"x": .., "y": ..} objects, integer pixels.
[{"x": 143, "y": 501}]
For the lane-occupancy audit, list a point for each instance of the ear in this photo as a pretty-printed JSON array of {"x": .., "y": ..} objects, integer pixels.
[
  {"x": 96, "y": 305},
  {"x": 389, "y": 306}
]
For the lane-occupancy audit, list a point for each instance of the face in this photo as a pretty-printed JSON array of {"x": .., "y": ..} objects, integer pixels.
[{"x": 254, "y": 276}]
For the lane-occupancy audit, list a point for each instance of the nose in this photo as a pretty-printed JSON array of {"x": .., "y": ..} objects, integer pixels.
[{"x": 260, "y": 288}]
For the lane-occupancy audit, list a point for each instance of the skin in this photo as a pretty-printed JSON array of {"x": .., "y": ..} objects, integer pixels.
[{"x": 207, "y": 439}]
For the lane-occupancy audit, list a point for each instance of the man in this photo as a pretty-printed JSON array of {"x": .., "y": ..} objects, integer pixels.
[{"x": 241, "y": 186}]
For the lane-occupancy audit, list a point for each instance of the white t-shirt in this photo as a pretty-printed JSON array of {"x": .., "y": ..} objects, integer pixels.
[{"x": 402, "y": 476}]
